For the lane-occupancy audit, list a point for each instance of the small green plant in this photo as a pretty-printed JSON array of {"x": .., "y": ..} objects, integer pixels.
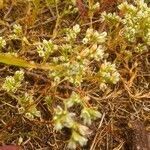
[
  {"x": 27, "y": 107},
  {"x": 89, "y": 114},
  {"x": 12, "y": 83},
  {"x": 64, "y": 118},
  {"x": 17, "y": 32},
  {"x": 79, "y": 136},
  {"x": 2, "y": 43},
  {"x": 75, "y": 56},
  {"x": 79, "y": 56},
  {"x": 26, "y": 103},
  {"x": 136, "y": 21},
  {"x": 133, "y": 23},
  {"x": 108, "y": 74},
  {"x": 45, "y": 49}
]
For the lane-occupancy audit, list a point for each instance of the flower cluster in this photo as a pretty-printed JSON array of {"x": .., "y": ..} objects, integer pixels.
[
  {"x": 71, "y": 71},
  {"x": 71, "y": 34},
  {"x": 12, "y": 83},
  {"x": 94, "y": 7},
  {"x": 79, "y": 136},
  {"x": 46, "y": 48},
  {"x": 2, "y": 43},
  {"x": 74, "y": 69},
  {"x": 74, "y": 99},
  {"x": 95, "y": 52},
  {"x": 136, "y": 21},
  {"x": 89, "y": 114},
  {"x": 141, "y": 48},
  {"x": 94, "y": 37},
  {"x": 111, "y": 18},
  {"x": 17, "y": 32},
  {"x": 28, "y": 107},
  {"x": 108, "y": 74},
  {"x": 64, "y": 118},
  {"x": 74, "y": 57}
]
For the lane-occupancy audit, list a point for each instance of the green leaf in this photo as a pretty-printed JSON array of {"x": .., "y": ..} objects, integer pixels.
[
  {"x": 9, "y": 59},
  {"x": 15, "y": 61}
]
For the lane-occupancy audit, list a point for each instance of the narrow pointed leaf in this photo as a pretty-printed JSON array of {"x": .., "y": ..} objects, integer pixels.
[{"x": 9, "y": 59}]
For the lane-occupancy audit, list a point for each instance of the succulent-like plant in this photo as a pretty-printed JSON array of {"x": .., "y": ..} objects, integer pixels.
[
  {"x": 12, "y": 83},
  {"x": 81, "y": 58},
  {"x": 2, "y": 43},
  {"x": 27, "y": 107}
]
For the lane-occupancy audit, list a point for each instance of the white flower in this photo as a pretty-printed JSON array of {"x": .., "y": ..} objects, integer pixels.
[
  {"x": 21, "y": 110},
  {"x": 84, "y": 130},
  {"x": 76, "y": 28},
  {"x": 96, "y": 6},
  {"x": 63, "y": 118},
  {"x": 29, "y": 116},
  {"x": 108, "y": 73},
  {"x": 85, "y": 40},
  {"x": 74, "y": 99},
  {"x": 89, "y": 114},
  {"x": 71, "y": 34},
  {"x": 2, "y": 43},
  {"x": 19, "y": 75},
  {"x": 17, "y": 29},
  {"x": 46, "y": 48},
  {"x": 78, "y": 138},
  {"x": 27, "y": 101},
  {"x": 12, "y": 83},
  {"x": 72, "y": 144},
  {"x": 97, "y": 52},
  {"x": 58, "y": 125},
  {"x": 94, "y": 36},
  {"x": 101, "y": 37}
]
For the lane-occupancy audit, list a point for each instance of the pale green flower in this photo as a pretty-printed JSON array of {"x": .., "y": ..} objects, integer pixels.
[
  {"x": 12, "y": 83},
  {"x": 74, "y": 99},
  {"x": 94, "y": 36},
  {"x": 96, "y": 52},
  {"x": 79, "y": 138},
  {"x": 85, "y": 40},
  {"x": 28, "y": 105},
  {"x": 141, "y": 48},
  {"x": 46, "y": 48},
  {"x": 17, "y": 29},
  {"x": 72, "y": 144},
  {"x": 109, "y": 73},
  {"x": 71, "y": 34},
  {"x": 136, "y": 21},
  {"x": 89, "y": 114},
  {"x": 62, "y": 118},
  {"x": 2, "y": 42},
  {"x": 83, "y": 130},
  {"x": 29, "y": 116},
  {"x": 76, "y": 29},
  {"x": 21, "y": 110},
  {"x": 112, "y": 18}
]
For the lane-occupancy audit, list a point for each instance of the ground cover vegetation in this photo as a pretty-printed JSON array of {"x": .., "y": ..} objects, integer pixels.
[{"x": 73, "y": 74}]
